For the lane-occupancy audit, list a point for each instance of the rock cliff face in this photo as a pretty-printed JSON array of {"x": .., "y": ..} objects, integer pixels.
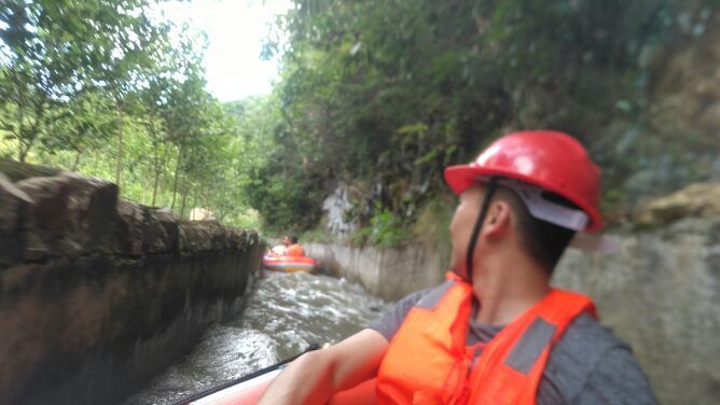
[
  {"x": 97, "y": 294},
  {"x": 660, "y": 291},
  {"x": 661, "y": 294},
  {"x": 678, "y": 141}
]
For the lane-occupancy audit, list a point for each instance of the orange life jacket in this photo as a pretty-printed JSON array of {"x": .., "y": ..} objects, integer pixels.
[
  {"x": 295, "y": 250},
  {"x": 428, "y": 361}
]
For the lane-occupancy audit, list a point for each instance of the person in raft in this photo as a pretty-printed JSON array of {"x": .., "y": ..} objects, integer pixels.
[
  {"x": 295, "y": 249},
  {"x": 281, "y": 249},
  {"x": 495, "y": 332}
]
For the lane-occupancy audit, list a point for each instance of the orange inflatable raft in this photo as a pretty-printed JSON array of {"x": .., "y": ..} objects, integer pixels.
[
  {"x": 249, "y": 389},
  {"x": 290, "y": 264}
]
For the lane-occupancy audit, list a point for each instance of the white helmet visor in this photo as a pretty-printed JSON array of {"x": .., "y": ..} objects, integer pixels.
[{"x": 542, "y": 208}]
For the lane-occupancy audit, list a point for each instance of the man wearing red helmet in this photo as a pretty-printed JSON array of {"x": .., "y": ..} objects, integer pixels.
[{"x": 495, "y": 331}]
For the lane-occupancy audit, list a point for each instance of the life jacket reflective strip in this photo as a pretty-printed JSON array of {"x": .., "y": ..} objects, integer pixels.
[{"x": 428, "y": 361}]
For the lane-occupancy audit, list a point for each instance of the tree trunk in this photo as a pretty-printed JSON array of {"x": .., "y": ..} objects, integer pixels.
[
  {"x": 34, "y": 130},
  {"x": 175, "y": 180},
  {"x": 193, "y": 204},
  {"x": 77, "y": 161},
  {"x": 182, "y": 206},
  {"x": 155, "y": 187},
  {"x": 156, "y": 158},
  {"x": 23, "y": 152},
  {"x": 24, "y": 144},
  {"x": 118, "y": 160}
]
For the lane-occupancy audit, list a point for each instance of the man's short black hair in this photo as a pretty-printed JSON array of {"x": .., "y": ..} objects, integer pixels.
[
  {"x": 294, "y": 239},
  {"x": 543, "y": 241}
]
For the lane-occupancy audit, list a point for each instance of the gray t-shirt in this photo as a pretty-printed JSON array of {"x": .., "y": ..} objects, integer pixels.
[{"x": 589, "y": 365}]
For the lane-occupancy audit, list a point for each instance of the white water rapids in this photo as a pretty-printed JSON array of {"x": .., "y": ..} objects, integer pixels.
[{"x": 284, "y": 315}]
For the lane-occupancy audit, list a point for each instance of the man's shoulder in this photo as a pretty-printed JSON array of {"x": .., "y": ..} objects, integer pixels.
[
  {"x": 582, "y": 346},
  {"x": 585, "y": 340},
  {"x": 590, "y": 361},
  {"x": 389, "y": 323}
]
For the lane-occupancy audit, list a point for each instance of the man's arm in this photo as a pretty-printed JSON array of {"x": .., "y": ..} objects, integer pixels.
[{"x": 315, "y": 376}]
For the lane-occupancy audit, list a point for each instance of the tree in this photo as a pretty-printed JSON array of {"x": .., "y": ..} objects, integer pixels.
[
  {"x": 56, "y": 50},
  {"x": 382, "y": 95},
  {"x": 83, "y": 123}
]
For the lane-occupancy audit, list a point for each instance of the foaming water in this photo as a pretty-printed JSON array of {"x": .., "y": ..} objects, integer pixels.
[{"x": 285, "y": 314}]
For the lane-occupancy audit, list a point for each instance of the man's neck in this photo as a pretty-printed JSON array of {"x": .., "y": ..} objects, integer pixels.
[{"x": 506, "y": 288}]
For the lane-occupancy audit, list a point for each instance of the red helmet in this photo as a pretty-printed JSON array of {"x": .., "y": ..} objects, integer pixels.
[{"x": 550, "y": 160}]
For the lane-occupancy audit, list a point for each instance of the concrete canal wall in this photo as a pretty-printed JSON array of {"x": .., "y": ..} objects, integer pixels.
[
  {"x": 388, "y": 273},
  {"x": 99, "y": 294}
]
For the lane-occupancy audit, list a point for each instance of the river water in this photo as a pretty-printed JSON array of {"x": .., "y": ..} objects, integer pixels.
[{"x": 284, "y": 315}]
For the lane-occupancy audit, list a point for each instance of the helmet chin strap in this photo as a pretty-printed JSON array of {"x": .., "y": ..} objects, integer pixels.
[{"x": 489, "y": 191}]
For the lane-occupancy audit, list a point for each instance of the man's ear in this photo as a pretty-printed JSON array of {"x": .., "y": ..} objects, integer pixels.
[{"x": 498, "y": 220}]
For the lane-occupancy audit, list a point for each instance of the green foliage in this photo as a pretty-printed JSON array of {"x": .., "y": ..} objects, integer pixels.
[
  {"x": 101, "y": 88},
  {"x": 376, "y": 96},
  {"x": 248, "y": 218},
  {"x": 433, "y": 221},
  {"x": 388, "y": 93},
  {"x": 385, "y": 230},
  {"x": 54, "y": 52}
]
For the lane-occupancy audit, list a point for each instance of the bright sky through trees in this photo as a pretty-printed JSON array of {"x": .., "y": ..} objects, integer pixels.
[{"x": 235, "y": 31}]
